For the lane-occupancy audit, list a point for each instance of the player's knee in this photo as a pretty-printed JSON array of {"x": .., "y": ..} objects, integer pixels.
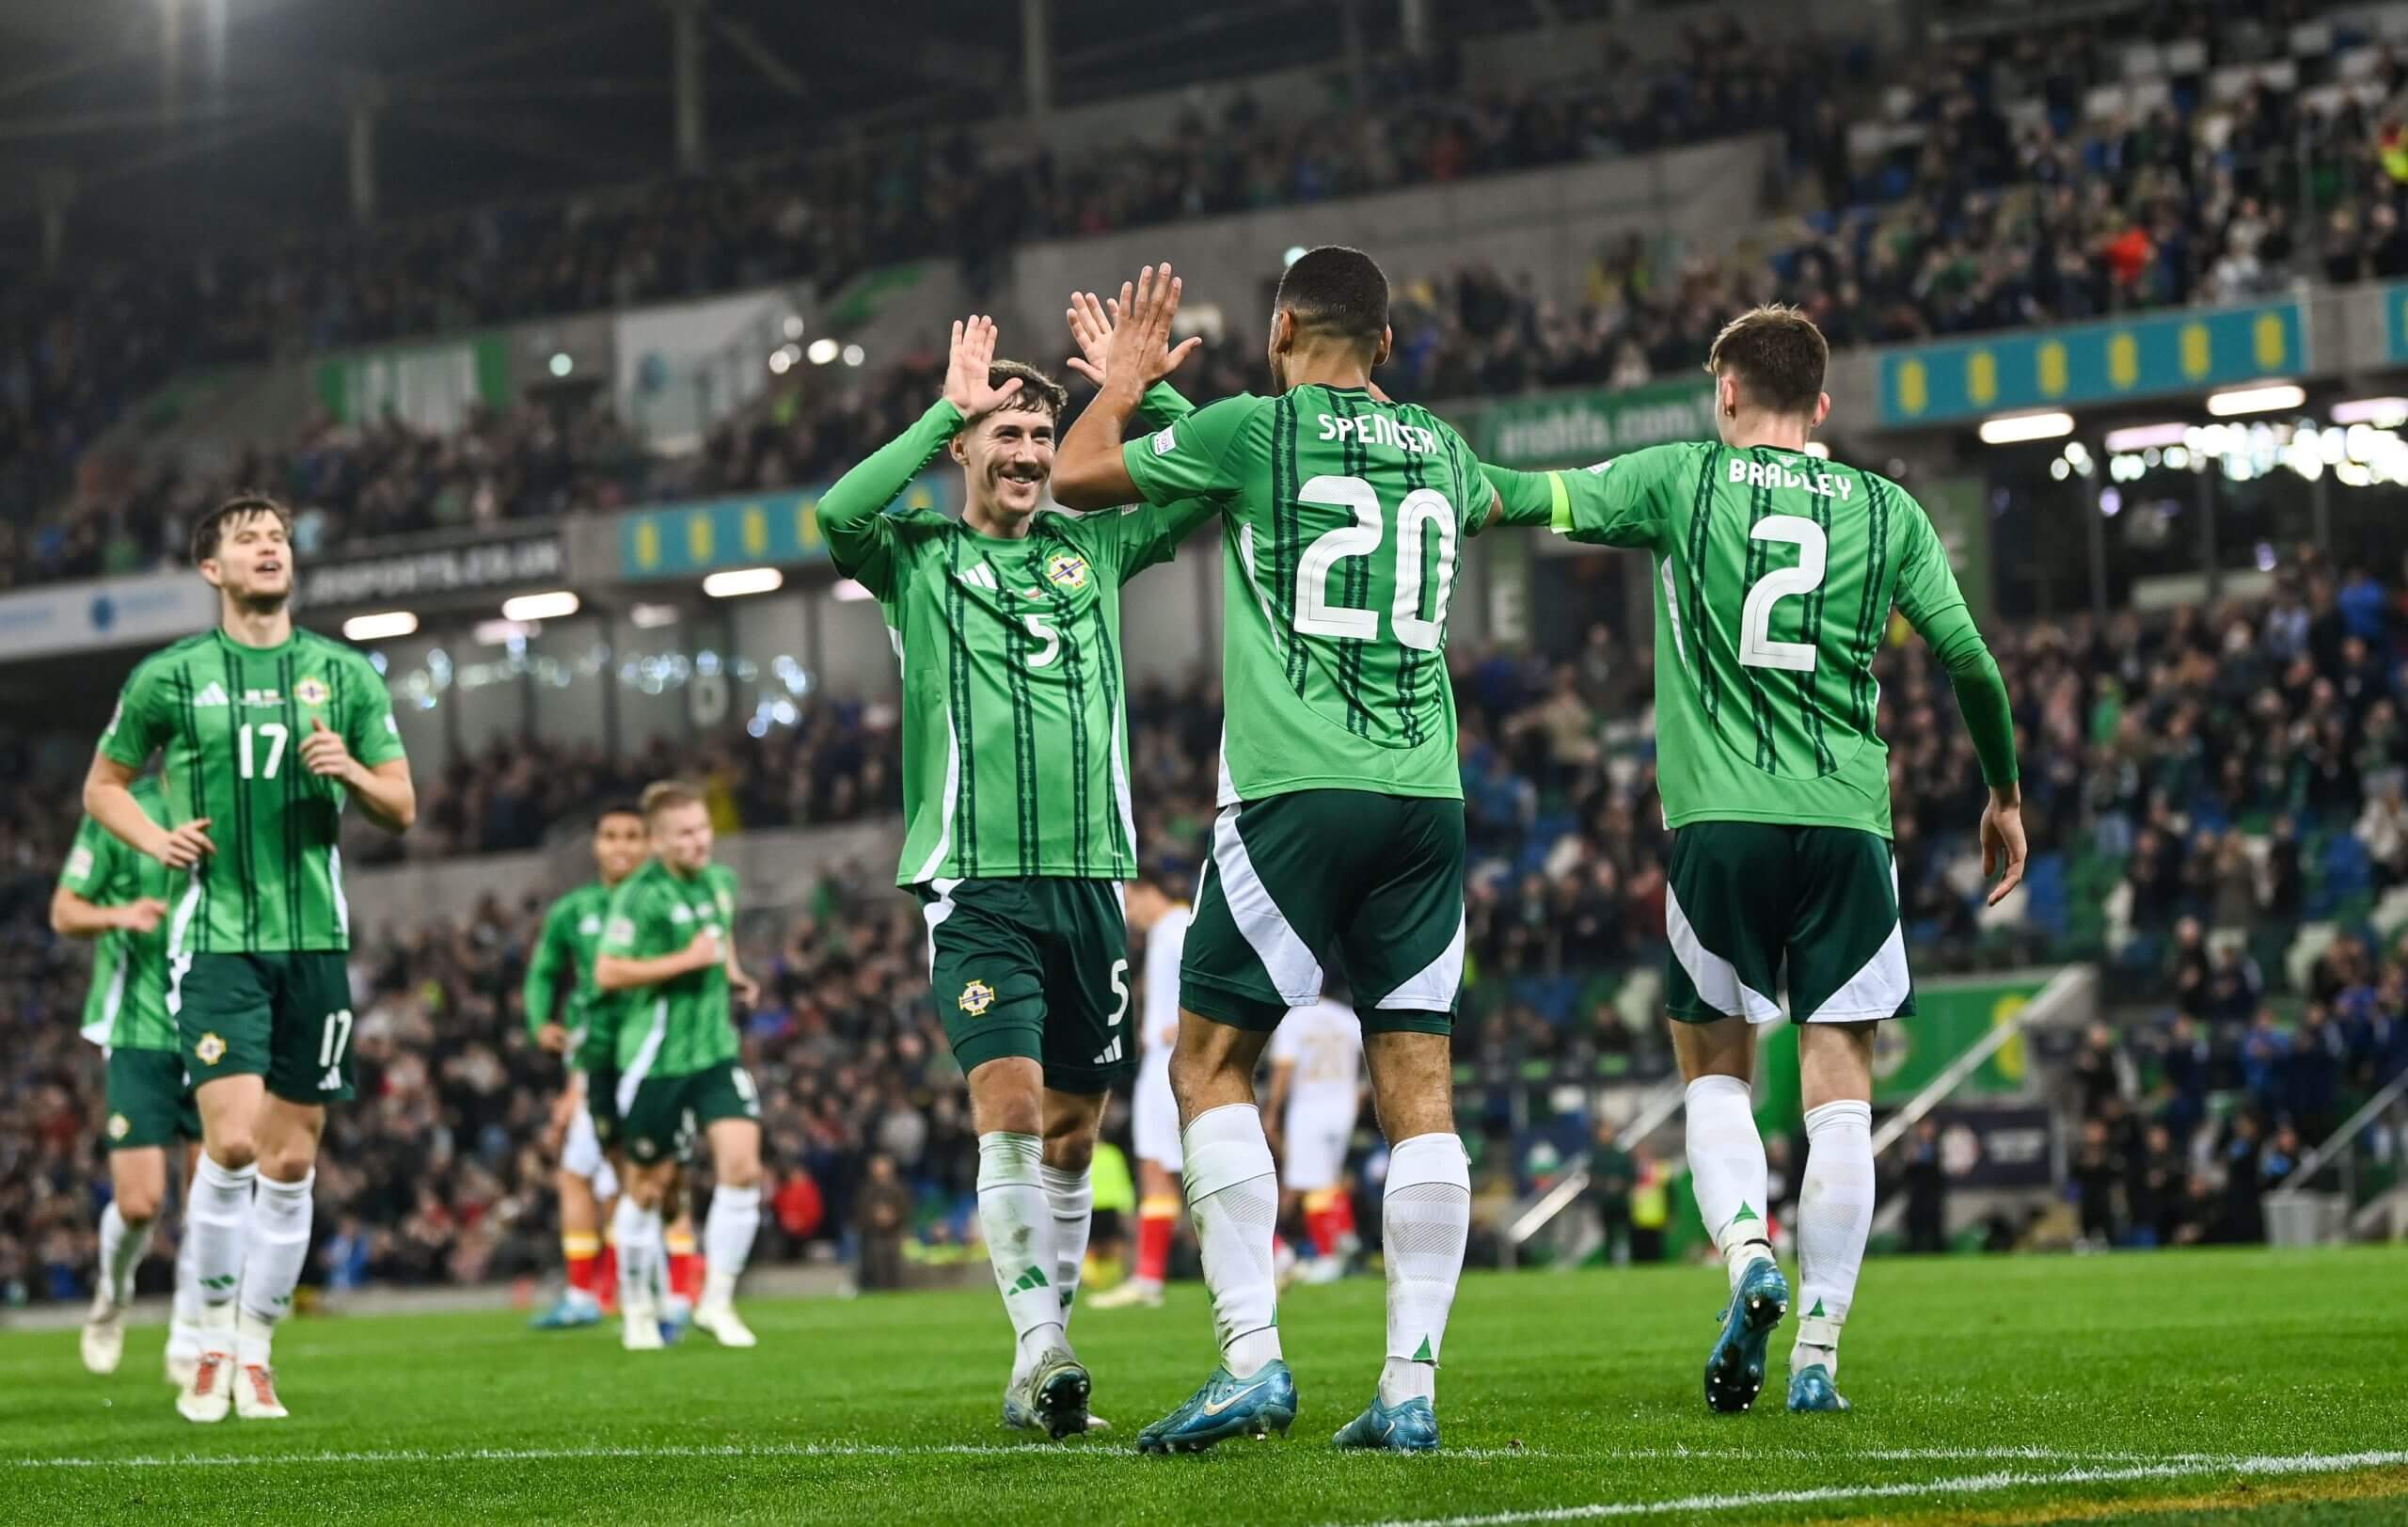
[
  {"x": 740, "y": 1171},
  {"x": 235, "y": 1148},
  {"x": 1073, "y": 1150},
  {"x": 288, "y": 1161},
  {"x": 137, "y": 1207}
]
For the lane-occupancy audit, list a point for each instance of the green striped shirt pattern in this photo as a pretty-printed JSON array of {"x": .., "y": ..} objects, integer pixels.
[
  {"x": 683, "y": 1024},
  {"x": 127, "y": 1007},
  {"x": 1015, "y": 736},
  {"x": 1343, "y": 527},
  {"x": 228, "y": 722}
]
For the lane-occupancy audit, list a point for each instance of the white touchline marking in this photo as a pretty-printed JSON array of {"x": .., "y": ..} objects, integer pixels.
[{"x": 2185, "y": 1466}]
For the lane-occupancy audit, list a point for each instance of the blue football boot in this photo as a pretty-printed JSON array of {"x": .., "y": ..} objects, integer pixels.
[
  {"x": 1226, "y": 1408},
  {"x": 1410, "y": 1427},
  {"x": 1735, "y": 1370},
  {"x": 569, "y": 1313},
  {"x": 1811, "y": 1389}
]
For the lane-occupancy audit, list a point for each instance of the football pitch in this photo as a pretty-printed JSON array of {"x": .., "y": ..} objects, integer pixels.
[{"x": 2173, "y": 1387}]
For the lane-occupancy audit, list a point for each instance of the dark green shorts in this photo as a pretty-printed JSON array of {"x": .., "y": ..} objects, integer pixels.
[
  {"x": 150, "y": 1105},
  {"x": 1752, "y": 901},
  {"x": 1035, "y": 967},
  {"x": 664, "y": 1113},
  {"x": 1377, "y": 879},
  {"x": 602, "y": 1105},
  {"x": 286, "y": 1017}
]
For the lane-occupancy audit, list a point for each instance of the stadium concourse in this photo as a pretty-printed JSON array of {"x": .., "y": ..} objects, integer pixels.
[{"x": 2168, "y": 747}]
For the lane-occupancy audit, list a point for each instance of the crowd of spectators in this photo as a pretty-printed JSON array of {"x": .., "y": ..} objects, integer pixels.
[{"x": 1991, "y": 214}]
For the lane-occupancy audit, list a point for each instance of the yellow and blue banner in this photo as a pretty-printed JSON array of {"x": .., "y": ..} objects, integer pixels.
[
  {"x": 753, "y": 530},
  {"x": 2144, "y": 356}
]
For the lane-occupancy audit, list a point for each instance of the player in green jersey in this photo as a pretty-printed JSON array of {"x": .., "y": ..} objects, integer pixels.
[
  {"x": 119, "y": 898},
  {"x": 667, "y": 950},
  {"x": 583, "y": 1031},
  {"x": 1775, "y": 574},
  {"x": 1019, "y": 828},
  {"x": 268, "y": 734},
  {"x": 1341, "y": 825}
]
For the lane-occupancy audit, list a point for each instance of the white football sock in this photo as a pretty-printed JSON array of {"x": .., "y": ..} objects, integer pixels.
[
  {"x": 1835, "y": 1217},
  {"x": 728, "y": 1230},
  {"x": 643, "y": 1261},
  {"x": 122, "y": 1248},
  {"x": 1234, "y": 1197},
  {"x": 1425, "y": 1219},
  {"x": 1727, "y": 1172},
  {"x": 1018, "y": 1227},
  {"x": 1071, "y": 1197},
  {"x": 219, "y": 1224},
  {"x": 278, "y": 1248},
  {"x": 184, "y": 1329}
]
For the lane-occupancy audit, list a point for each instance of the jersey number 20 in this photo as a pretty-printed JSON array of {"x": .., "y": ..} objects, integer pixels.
[
  {"x": 1757, "y": 649},
  {"x": 1424, "y": 510}
]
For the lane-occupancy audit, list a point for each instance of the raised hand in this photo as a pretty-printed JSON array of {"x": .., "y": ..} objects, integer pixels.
[
  {"x": 966, "y": 371},
  {"x": 1140, "y": 353},
  {"x": 1091, "y": 331}
]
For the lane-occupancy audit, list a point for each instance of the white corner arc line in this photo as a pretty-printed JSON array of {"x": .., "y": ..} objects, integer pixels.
[{"x": 2187, "y": 1465}]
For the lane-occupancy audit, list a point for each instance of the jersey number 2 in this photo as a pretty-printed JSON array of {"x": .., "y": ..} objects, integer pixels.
[
  {"x": 1422, "y": 509},
  {"x": 1757, "y": 649}
]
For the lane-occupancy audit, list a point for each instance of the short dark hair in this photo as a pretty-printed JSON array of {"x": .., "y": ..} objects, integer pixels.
[
  {"x": 1038, "y": 393},
  {"x": 241, "y": 506},
  {"x": 1338, "y": 291},
  {"x": 1777, "y": 355},
  {"x": 617, "y": 808},
  {"x": 669, "y": 794}
]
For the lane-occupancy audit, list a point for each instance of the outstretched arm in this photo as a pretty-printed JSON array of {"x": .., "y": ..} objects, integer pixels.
[
  {"x": 852, "y": 513},
  {"x": 1929, "y": 598},
  {"x": 1092, "y": 322},
  {"x": 1089, "y": 470}
]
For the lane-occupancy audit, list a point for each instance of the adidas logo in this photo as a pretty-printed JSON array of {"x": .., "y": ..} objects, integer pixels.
[
  {"x": 1111, "y": 1052},
  {"x": 1816, "y": 1313},
  {"x": 214, "y": 693},
  {"x": 1033, "y": 1278},
  {"x": 980, "y": 576},
  {"x": 1745, "y": 1216}
]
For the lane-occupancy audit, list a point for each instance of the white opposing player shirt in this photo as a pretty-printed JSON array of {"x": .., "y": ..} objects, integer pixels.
[
  {"x": 1158, "y": 1018},
  {"x": 1325, "y": 1041}
]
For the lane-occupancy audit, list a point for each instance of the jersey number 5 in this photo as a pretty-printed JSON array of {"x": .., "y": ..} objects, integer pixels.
[
  {"x": 1757, "y": 649},
  {"x": 1422, "y": 509}
]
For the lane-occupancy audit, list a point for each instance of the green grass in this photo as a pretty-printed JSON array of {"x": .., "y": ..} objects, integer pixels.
[{"x": 1560, "y": 1391}]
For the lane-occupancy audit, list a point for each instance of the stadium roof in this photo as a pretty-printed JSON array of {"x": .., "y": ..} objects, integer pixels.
[{"x": 173, "y": 117}]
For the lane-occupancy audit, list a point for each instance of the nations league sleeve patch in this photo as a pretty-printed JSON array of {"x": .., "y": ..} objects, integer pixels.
[{"x": 1166, "y": 439}]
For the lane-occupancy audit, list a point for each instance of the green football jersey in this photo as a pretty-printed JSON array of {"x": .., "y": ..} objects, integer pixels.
[
  {"x": 1015, "y": 734},
  {"x": 231, "y": 720},
  {"x": 1775, "y": 575},
  {"x": 683, "y": 1025},
  {"x": 1342, "y": 525},
  {"x": 563, "y": 955},
  {"x": 127, "y": 1008}
]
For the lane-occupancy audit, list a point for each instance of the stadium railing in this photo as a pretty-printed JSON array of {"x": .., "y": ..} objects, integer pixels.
[{"x": 2349, "y": 1184}]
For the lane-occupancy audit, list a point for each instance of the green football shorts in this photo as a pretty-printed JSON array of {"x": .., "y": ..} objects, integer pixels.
[
  {"x": 1376, "y": 878},
  {"x": 1749, "y": 900},
  {"x": 149, "y": 1102},
  {"x": 661, "y": 1115},
  {"x": 285, "y": 1016},
  {"x": 1035, "y": 967}
]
